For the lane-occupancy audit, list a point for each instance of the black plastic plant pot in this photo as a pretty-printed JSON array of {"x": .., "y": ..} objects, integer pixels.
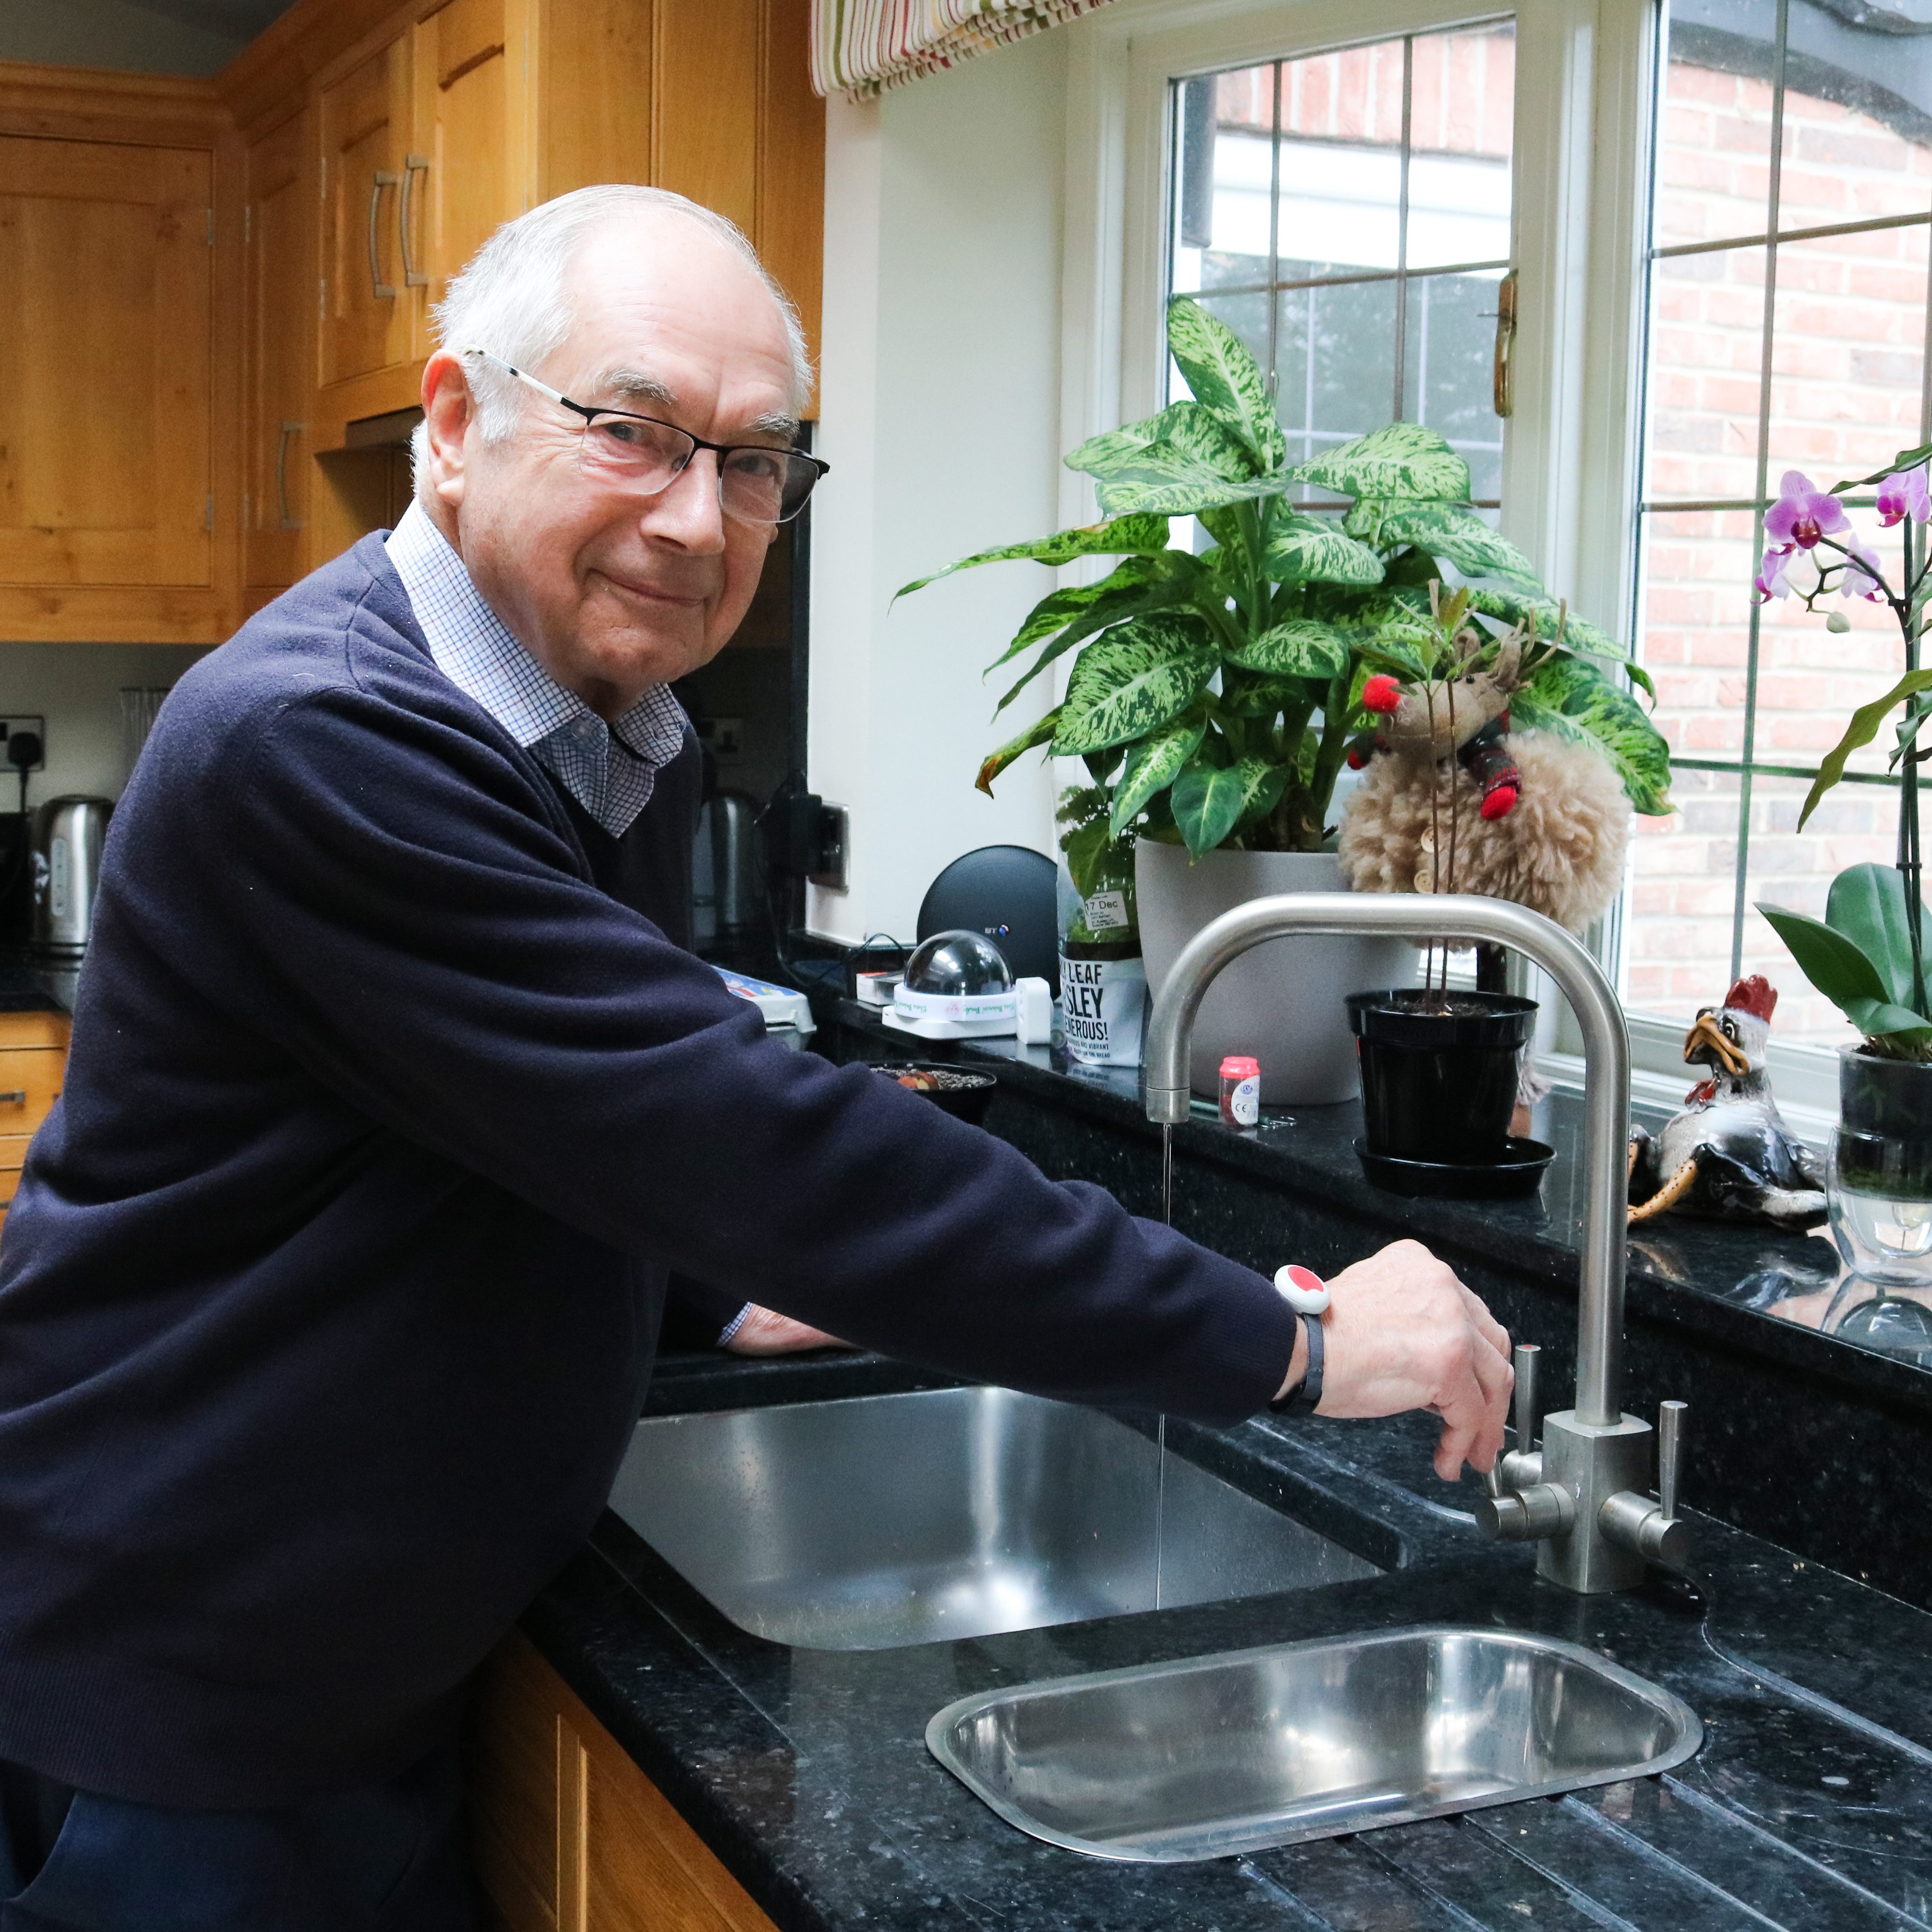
[
  {"x": 1885, "y": 1125},
  {"x": 1439, "y": 1072}
]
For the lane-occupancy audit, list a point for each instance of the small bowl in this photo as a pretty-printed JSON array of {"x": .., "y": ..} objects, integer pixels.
[{"x": 963, "y": 1095}]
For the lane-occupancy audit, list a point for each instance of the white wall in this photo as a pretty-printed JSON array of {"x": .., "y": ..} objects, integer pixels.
[
  {"x": 940, "y": 388},
  {"x": 76, "y": 688}
]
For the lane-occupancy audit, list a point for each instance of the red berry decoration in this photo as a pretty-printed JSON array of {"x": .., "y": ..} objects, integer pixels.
[
  {"x": 1357, "y": 757},
  {"x": 1382, "y": 694},
  {"x": 1500, "y": 802}
]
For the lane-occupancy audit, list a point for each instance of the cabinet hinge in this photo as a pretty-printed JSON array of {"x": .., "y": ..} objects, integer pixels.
[
  {"x": 247, "y": 222},
  {"x": 211, "y": 228},
  {"x": 208, "y": 516},
  {"x": 246, "y": 501},
  {"x": 322, "y": 298}
]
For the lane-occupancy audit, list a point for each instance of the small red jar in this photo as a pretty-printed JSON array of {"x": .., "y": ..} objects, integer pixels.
[{"x": 1241, "y": 1090}]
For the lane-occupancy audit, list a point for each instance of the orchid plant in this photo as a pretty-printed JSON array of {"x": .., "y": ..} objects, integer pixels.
[{"x": 1867, "y": 955}]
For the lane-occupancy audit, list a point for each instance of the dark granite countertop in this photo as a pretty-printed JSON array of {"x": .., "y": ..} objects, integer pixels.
[
  {"x": 1751, "y": 1286},
  {"x": 1810, "y": 1806}
]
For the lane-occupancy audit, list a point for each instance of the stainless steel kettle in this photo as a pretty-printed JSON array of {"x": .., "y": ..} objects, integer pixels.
[{"x": 67, "y": 837}]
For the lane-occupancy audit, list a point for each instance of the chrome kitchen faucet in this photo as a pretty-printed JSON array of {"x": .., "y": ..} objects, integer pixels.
[{"x": 1582, "y": 1496}]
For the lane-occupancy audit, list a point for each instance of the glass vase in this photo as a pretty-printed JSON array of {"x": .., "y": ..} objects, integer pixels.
[{"x": 1879, "y": 1177}]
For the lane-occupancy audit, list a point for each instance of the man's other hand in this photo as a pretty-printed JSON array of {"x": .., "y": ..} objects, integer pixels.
[
  {"x": 1402, "y": 1332},
  {"x": 764, "y": 1331}
]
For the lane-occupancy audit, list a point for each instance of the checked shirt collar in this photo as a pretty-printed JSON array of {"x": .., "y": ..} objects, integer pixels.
[{"x": 610, "y": 769}]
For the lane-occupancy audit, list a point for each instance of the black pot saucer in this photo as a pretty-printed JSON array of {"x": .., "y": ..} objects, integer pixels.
[{"x": 1518, "y": 1173}]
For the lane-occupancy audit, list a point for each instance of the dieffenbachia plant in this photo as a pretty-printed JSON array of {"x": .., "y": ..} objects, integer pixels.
[
  {"x": 1867, "y": 955},
  {"x": 1216, "y": 694}
]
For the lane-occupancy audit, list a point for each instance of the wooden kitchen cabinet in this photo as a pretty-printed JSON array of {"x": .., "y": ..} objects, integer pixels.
[
  {"x": 216, "y": 296},
  {"x": 278, "y": 384},
  {"x": 114, "y": 477},
  {"x": 569, "y": 1834},
  {"x": 367, "y": 126},
  {"x": 33, "y": 1069}
]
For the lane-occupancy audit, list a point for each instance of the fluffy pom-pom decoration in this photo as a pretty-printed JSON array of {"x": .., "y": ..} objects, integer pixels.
[
  {"x": 1381, "y": 694},
  {"x": 1561, "y": 852},
  {"x": 1500, "y": 802}
]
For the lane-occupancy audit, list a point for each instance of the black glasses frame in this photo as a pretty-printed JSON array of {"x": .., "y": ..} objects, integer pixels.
[{"x": 720, "y": 450}]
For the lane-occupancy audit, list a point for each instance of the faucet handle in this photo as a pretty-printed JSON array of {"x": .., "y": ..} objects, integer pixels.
[
  {"x": 1670, "y": 1419},
  {"x": 1527, "y": 1417}
]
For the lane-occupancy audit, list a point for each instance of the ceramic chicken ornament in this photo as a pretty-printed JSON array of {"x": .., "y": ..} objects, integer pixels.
[{"x": 1727, "y": 1153}]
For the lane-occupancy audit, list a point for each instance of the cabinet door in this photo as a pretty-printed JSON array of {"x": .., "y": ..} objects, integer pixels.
[
  {"x": 467, "y": 180},
  {"x": 279, "y": 300},
  {"x": 106, "y": 363},
  {"x": 367, "y": 311}
]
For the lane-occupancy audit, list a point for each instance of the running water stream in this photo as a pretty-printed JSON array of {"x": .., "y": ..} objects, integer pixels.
[{"x": 1160, "y": 1429}]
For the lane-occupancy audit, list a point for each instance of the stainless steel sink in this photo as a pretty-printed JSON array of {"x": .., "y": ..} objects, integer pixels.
[
  {"x": 1220, "y": 1755},
  {"x": 894, "y": 1519}
]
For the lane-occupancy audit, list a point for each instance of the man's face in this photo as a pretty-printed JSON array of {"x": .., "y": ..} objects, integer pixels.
[{"x": 610, "y": 591}]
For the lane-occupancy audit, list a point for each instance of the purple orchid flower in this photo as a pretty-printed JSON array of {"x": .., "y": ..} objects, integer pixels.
[
  {"x": 1862, "y": 578},
  {"x": 1771, "y": 581},
  {"x": 1904, "y": 493},
  {"x": 1802, "y": 514}
]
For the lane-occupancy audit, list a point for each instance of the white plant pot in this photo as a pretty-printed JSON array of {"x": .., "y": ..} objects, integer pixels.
[{"x": 1282, "y": 1002}]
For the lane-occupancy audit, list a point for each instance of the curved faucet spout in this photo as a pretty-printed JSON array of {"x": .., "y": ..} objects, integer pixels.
[{"x": 1461, "y": 918}]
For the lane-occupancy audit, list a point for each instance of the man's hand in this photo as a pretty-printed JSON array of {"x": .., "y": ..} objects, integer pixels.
[
  {"x": 1402, "y": 1332},
  {"x": 765, "y": 1332}
]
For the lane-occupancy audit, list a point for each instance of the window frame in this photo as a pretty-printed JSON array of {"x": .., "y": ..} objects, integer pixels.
[{"x": 1580, "y": 216}]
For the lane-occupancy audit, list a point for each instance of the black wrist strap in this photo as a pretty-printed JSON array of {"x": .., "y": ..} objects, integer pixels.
[{"x": 1307, "y": 1392}]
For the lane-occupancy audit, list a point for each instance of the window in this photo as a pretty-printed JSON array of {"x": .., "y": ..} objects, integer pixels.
[
  {"x": 1348, "y": 214},
  {"x": 1789, "y": 304}
]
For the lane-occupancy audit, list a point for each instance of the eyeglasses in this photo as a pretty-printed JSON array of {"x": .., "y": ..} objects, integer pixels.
[{"x": 757, "y": 484}]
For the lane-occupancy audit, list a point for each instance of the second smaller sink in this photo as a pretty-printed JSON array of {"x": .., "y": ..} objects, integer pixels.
[{"x": 1255, "y": 1748}]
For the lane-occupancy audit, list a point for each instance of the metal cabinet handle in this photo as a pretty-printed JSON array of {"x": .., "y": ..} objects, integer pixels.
[
  {"x": 289, "y": 429},
  {"x": 18, "y": 1098},
  {"x": 382, "y": 291},
  {"x": 412, "y": 276}
]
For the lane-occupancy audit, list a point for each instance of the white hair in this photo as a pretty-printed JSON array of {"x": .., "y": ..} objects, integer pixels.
[{"x": 513, "y": 297}]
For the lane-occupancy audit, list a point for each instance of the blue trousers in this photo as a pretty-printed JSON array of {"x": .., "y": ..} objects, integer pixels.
[{"x": 386, "y": 1858}]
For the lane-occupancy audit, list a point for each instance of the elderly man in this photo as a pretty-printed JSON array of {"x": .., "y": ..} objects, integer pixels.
[{"x": 330, "y": 1292}]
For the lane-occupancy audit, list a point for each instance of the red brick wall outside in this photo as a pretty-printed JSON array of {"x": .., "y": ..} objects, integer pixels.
[
  {"x": 1463, "y": 94},
  {"x": 1848, "y": 347}
]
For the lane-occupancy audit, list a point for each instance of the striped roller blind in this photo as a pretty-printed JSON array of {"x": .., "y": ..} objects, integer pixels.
[{"x": 862, "y": 47}]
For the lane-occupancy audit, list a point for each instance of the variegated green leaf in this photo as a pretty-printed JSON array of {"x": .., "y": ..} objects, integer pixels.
[
  {"x": 1152, "y": 766},
  {"x": 1402, "y": 460},
  {"x": 1570, "y": 696},
  {"x": 1174, "y": 488},
  {"x": 1109, "y": 600},
  {"x": 1452, "y": 531},
  {"x": 1224, "y": 378},
  {"x": 1245, "y": 696},
  {"x": 1121, "y": 536},
  {"x": 1581, "y": 638},
  {"x": 1183, "y": 428},
  {"x": 1178, "y": 463},
  {"x": 1311, "y": 550},
  {"x": 1209, "y": 801},
  {"x": 1154, "y": 583},
  {"x": 1039, "y": 733},
  {"x": 1302, "y": 647},
  {"x": 1129, "y": 683}
]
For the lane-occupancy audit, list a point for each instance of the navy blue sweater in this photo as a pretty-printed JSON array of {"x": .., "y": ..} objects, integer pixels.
[{"x": 328, "y": 1297}]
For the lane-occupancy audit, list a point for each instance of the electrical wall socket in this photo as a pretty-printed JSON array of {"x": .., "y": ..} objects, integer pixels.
[{"x": 10, "y": 723}]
